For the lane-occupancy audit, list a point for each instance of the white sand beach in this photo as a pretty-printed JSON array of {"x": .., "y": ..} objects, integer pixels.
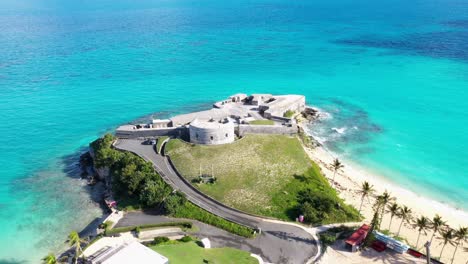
[{"x": 348, "y": 181}]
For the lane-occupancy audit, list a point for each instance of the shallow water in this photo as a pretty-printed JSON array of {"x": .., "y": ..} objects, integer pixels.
[{"x": 394, "y": 78}]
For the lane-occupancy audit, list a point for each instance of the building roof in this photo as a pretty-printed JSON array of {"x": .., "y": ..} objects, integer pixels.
[
  {"x": 187, "y": 118},
  {"x": 358, "y": 236},
  {"x": 284, "y": 100},
  {"x": 210, "y": 124},
  {"x": 132, "y": 253}
]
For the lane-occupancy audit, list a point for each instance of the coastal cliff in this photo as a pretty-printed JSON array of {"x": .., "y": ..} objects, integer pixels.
[{"x": 103, "y": 172}]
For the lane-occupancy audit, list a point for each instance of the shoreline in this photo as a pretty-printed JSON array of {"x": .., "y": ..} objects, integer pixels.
[{"x": 349, "y": 179}]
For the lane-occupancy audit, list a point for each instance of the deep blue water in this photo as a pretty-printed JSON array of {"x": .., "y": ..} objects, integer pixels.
[{"x": 392, "y": 74}]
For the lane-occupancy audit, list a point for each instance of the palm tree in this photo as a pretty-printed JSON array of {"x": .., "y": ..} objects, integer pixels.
[
  {"x": 461, "y": 235},
  {"x": 75, "y": 240},
  {"x": 336, "y": 165},
  {"x": 385, "y": 199},
  {"x": 375, "y": 220},
  {"x": 422, "y": 224},
  {"x": 365, "y": 191},
  {"x": 49, "y": 259},
  {"x": 447, "y": 236},
  {"x": 393, "y": 209},
  {"x": 436, "y": 225},
  {"x": 405, "y": 215}
]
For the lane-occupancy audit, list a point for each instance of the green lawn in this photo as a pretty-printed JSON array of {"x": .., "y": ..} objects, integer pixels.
[
  {"x": 190, "y": 252},
  {"x": 259, "y": 174},
  {"x": 262, "y": 122}
]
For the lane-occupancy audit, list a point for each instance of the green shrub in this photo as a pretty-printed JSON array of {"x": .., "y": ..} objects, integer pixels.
[
  {"x": 342, "y": 231},
  {"x": 186, "y": 239},
  {"x": 327, "y": 239},
  {"x": 319, "y": 203},
  {"x": 159, "y": 240},
  {"x": 137, "y": 230},
  {"x": 105, "y": 156},
  {"x": 106, "y": 225},
  {"x": 289, "y": 113}
]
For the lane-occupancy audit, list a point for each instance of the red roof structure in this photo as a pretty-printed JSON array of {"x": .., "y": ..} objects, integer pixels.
[{"x": 358, "y": 236}]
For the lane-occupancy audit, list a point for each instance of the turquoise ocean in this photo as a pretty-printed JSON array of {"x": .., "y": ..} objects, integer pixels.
[{"x": 392, "y": 76}]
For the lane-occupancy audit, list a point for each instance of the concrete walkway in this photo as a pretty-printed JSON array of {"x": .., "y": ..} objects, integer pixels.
[{"x": 279, "y": 242}]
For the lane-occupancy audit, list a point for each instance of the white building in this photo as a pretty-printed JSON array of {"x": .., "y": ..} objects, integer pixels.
[{"x": 133, "y": 252}]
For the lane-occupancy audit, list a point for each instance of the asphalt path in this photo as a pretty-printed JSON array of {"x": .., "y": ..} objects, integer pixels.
[{"x": 277, "y": 243}]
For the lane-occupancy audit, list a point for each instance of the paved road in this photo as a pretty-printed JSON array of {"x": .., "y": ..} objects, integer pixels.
[{"x": 278, "y": 243}]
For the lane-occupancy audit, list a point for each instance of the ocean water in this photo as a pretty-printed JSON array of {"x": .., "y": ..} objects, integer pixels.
[{"x": 393, "y": 77}]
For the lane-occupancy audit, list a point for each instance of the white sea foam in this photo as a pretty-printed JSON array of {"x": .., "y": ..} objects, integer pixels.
[
  {"x": 340, "y": 130},
  {"x": 322, "y": 114}
]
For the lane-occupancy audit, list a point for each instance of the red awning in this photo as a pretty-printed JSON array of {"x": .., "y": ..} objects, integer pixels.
[{"x": 357, "y": 237}]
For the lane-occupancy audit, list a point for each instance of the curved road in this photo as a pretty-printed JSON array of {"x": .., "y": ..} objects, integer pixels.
[{"x": 278, "y": 243}]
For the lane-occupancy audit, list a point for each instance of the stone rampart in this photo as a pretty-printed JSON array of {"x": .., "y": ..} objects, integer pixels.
[
  {"x": 266, "y": 129},
  {"x": 181, "y": 132}
]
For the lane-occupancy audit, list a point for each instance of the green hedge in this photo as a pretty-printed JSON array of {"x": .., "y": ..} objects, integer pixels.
[
  {"x": 178, "y": 206},
  {"x": 160, "y": 240}
]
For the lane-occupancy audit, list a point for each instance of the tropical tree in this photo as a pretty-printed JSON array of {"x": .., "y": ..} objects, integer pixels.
[
  {"x": 447, "y": 236},
  {"x": 75, "y": 240},
  {"x": 393, "y": 209},
  {"x": 336, "y": 165},
  {"x": 365, "y": 191},
  {"x": 377, "y": 207},
  {"x": 405, "y": 215},
  {"x": 461, "y": 235},
  {"x": 385, "y": 199},
  {"x": 49, "y": 259},
  {"x": 436, "y": 225},
  {"x": 422, "y": 224},
  {"x": 374, "y": 225}
]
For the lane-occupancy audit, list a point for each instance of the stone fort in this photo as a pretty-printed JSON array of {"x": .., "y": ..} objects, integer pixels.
[{"x": 233, "y": 117}]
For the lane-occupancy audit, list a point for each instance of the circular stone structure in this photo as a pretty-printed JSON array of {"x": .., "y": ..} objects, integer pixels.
[{"x": 211, "y": 132}]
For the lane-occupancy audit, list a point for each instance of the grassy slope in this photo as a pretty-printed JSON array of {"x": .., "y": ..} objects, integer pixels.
[
  {"x": 260, "y": 174},
  {"x": 159, "y": 143},
  {"x": 190, "y": 252}
]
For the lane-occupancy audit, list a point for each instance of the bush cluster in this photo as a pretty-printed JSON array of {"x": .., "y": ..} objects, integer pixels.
[
  {"x": 320, "y": 204},
  {"x": 327, "y": 239},
  {"x": 160, "y": 240},
  {"x": 323, "y": 206},
  {"x": 186, "y": 239},
  {"x": 289, "y": 113},
  {"x": 132, "y": 177}
]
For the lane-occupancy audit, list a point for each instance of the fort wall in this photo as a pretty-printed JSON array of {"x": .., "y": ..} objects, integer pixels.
[
  {"x": 266, "y": 129},
  {"x": 181, "y": 132}
]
